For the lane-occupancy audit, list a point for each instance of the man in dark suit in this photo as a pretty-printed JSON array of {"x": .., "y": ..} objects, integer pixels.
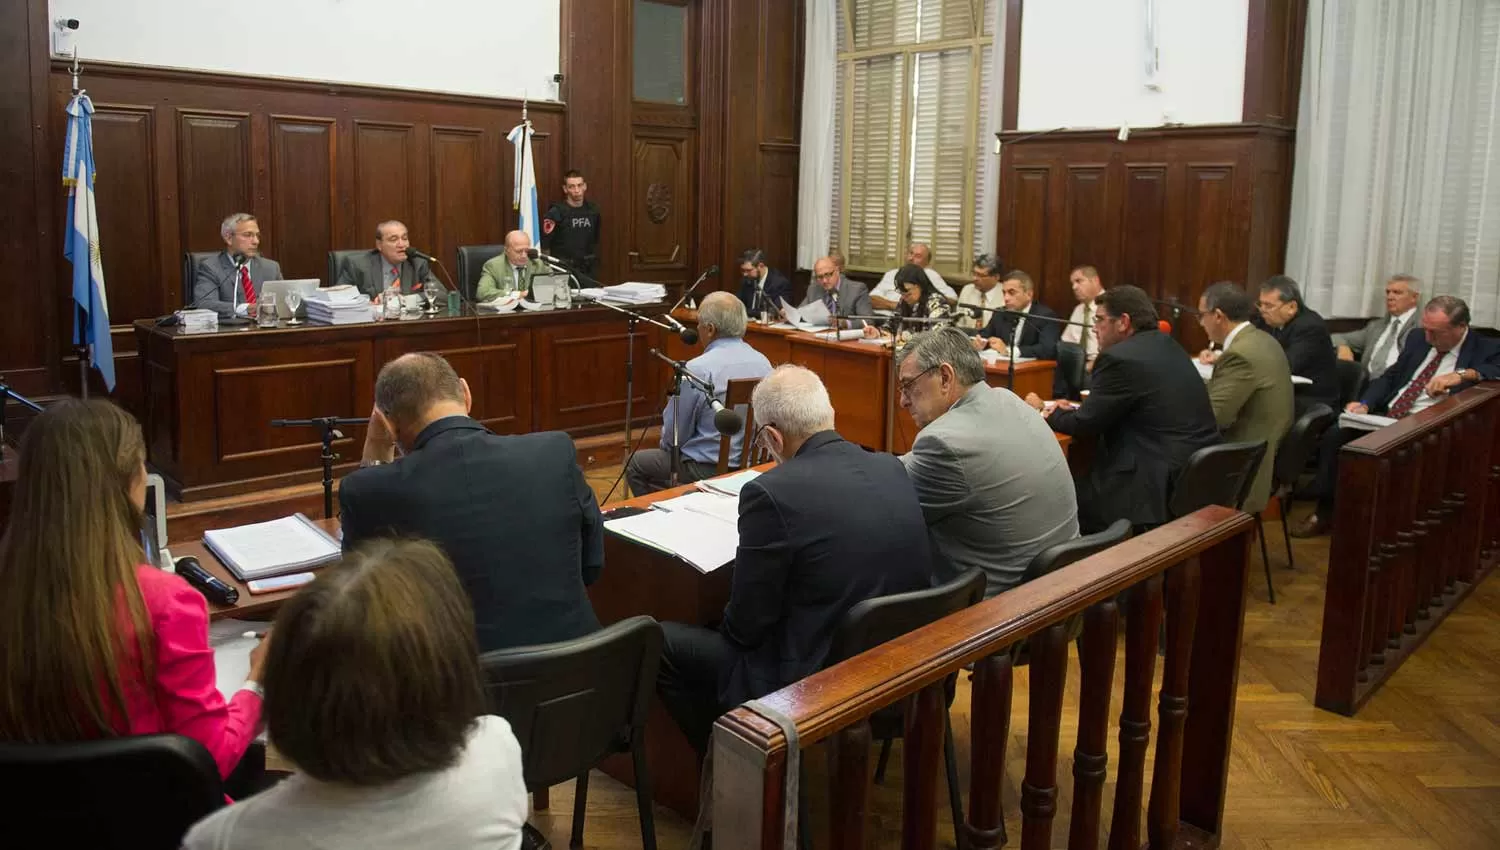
[
  {"x": 513, "y": 513},
  {"x": 804, "y": 558},
  {"x": 1037, "y": 339},
  {"x": 1305, "y": 339},
  {"x": 761, "y": 287},
  {"x": 1445, "y": 359},
  {"x": 1149, "y": 409},
  {"x": 387, "y": 265},
  {"x": 227, "y": 289}
]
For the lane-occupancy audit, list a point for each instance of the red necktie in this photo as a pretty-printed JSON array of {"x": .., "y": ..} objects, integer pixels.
[
  {"x": 1403, "y": 405},
  {"x": 246, "y": 285}
]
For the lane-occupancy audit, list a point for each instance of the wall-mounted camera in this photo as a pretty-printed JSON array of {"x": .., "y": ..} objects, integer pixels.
[{"x": 64, "y": 36}]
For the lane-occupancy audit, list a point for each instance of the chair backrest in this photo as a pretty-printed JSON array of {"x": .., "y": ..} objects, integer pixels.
[
  {"x": 190, "y": 262},
  {"x": 1217, "y": 475},
  {"x": 139, "y": 792},
  {"x": 336, "y": 261},
  {"x": 1059, "y": 556},
  {"x": 574, "y": 702},
  {"x": 738, "y": 394},
  {"x": 471, "y": 260},
  {"x": 872, "y": 622},
  {"x": 1072, "y": 366},
  {"x": 1300, "y": 442},
  {"x": 1351, "y": 376}
]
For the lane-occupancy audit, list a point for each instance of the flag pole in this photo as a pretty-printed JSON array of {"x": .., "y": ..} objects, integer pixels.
[{"x": 81, "y": 348}]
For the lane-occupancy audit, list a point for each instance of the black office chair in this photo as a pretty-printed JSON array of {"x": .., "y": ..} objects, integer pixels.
[
  {"x": 1296, "y": 449},
  {"x": 137, "y": 792},
  {"x": 575, "y": 702},
  {"x": 873, "y": 622},
  {"x": 190, "y": 262},
  {"x": 1351, "y": 381},
  {"x": 1072, "y": 370},
  {"x": 1221, "y": 475},
  {"x": 1054, "y": 558},
  {"x": 336, "y": 261},
  {"x": 471, "y": 260}
]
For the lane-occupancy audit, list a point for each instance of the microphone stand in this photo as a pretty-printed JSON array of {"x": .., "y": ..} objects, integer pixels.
[
  {"x": 234, "y": 320},
  {"x": 329, "y": 426},
  {"x": 680, "y": 373},
  {"x": 1010, "y": 376},
  {"x": 689, "y": 291},
  {"x": 6, "y": 394},
  {"x": 632, "y": 320}
]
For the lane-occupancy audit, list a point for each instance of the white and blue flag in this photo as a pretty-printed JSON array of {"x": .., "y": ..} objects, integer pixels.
[
  {"x": 81, "y": 245},
  {"x": 524, "y": 199}
]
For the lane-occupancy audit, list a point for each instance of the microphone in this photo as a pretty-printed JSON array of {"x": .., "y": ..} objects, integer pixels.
[
  {"x": 205, "y": 582},
  {"x": 1176, "y": 306},
  {"x": 534, "y": 254},
  {"x": 689, "y": 335},
  {"x": 726, "y": 420},
  {"x": 421, "y": 255},
  {"x": 1164, "y": 326}
]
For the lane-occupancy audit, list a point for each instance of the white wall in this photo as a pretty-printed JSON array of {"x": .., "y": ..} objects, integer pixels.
[
  {"x": 1083, "y": 63},
  {"x": 495, "y": 48}
]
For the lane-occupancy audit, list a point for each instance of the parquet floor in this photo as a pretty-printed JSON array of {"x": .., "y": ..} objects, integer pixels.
[{"x": 1418, "y": 768}]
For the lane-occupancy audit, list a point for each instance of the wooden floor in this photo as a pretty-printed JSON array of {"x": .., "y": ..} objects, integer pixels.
[{"x": 1419, "y": 767}]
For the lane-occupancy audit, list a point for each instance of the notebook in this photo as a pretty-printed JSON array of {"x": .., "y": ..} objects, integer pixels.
[{"x": 291, "y": 544}]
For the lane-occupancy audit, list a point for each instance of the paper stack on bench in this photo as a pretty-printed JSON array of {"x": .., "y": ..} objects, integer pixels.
[
  {"x": 291, "y": 544},
  {"x": 627, "y": 293},
  {"x": 338, "y": 305},
  {"x": 198, "y": 321}
]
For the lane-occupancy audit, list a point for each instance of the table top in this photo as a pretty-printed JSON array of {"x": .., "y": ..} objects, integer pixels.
[{"x": 251, "y": 606}]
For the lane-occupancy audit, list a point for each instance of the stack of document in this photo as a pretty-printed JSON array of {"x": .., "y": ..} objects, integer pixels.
[
  {"x": 995, "y": 358},
  {"x": 729, "y": 485},
  {"x": 626, "y": 293},
  {"x": 338, "y": 305},
  {"x": 198, "y": 321},
  {"x": 291, "y": 544},
  {"x": 700, "y": 528},
  {"x": 1364, "y": 421}
]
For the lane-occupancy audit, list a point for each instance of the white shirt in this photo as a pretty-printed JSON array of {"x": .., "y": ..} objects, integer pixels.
[
  {"x": 1449, "y": 363},
  {"x": 1234, "y": 333},
  {"x": 1391, "y": 328},
  {"x": 1073, "y": 333},
  {"x": 1020, "y": 325},
  {"x": 479, "y": 802},
  {"x": 887, "y": 286},
  {"x": 986, "y": 301}
]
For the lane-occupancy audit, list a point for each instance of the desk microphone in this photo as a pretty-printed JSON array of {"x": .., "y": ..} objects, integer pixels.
[
  {"x": 726, "y": 420},
  {"x": 212, "y": 588},
  {"x": 171, "y": 320}
]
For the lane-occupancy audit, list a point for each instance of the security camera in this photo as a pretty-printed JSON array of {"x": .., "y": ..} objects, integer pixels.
[
  {"x": 67, "y": 23},
  {"x": 557, "y": 78}
]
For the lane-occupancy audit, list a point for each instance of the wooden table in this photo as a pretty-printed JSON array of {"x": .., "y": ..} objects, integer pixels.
[
  {"x": 249, "y": 607},
  {"x": 210, "y": 398}
]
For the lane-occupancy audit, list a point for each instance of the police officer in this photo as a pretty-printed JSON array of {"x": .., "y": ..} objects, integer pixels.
[{"x": 570, "y": 229}]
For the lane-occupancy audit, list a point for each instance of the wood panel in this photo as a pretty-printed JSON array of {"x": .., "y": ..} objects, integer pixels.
[
  {"x": 302, "y": 190},
  {"x": 383, "y": 181},
  {"x": 581, "y": 379},
  {"x": 1273, "y": 60},
  {"x": 1087, "y": 200},
  {"x": 661, "y": 213},
  {"x": 249, "y": 393},
  {"x": 1208, "y": 230},
  {"x": 458, "y": 190},
  {"x": 128, "y": 229},
  {"x": 213, "y": 173},
  {"x": 1026, "y": 218},
  {"x": 1141, "y": 224}
]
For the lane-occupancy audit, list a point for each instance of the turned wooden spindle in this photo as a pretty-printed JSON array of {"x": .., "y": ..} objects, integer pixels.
[
  {"x": 922, "y": 760},
  {"x": 849, "y": 791},
  {"x": 1049, "y": 673},
  {"x": 1166, "y": 776},
  {"x": 1143, "y": 614},
  {"x": 990, "y": 731},
  {"x": 1096, "y": 657}
]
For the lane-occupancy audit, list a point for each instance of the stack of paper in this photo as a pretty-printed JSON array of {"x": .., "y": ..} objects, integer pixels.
[
  {"x": 808, "y": 317},
  {"x": 626, "y": 293},
  {"x": 993, "y": 357},
  {"x": 288, "y": 545},
  {"x": 699, "y": 534},
  {"x": 198, "y": 321},
  {"x": 499, "y": 304},
  {"x": 729, "y": 485},
  {"x": 1364, "y": 421},
  {"x": 338, "y": 305}
]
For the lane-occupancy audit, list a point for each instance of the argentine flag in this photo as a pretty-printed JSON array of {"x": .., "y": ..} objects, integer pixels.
[
  {"x": 524, "y": 200},
  {"x": 81, "y": 247}
]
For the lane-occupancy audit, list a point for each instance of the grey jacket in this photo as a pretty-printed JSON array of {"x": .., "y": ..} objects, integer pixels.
[
  {"x": 853, "y": 297},
  {"x": 367, "y": 272},
  {"x": 994, "y": 487},
  {"x": 214, "y": 282},
  {"x": 1362, "y": 342}
]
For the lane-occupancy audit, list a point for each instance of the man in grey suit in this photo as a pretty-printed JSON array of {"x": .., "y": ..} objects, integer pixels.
[
  {"x": 217, "y": 278},
  {"x": 1377, "y": 345},
  {"x": 990, "y": 476},
  {"x": 387, "y": 266},
  {"x": 838, "y": 293}
]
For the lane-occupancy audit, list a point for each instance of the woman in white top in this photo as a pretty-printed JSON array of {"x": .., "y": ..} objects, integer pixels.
[{"x": 373, "y": 693}]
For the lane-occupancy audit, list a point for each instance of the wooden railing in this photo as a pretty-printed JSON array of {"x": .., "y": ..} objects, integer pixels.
[
  {"x": 1417, "y": 525},
  {"x": 1190, "y": 572}
]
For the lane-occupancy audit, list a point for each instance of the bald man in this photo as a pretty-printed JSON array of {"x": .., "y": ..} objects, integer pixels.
[{"x": 510, "y": 272}]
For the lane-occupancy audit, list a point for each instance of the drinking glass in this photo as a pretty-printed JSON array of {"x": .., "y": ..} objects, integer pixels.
[
  {"x": 265, "y": 310},
  {"x": 430, "y": 293},
  {"x": 293, "y": 301},
  {"x": 562, "y": 296}
]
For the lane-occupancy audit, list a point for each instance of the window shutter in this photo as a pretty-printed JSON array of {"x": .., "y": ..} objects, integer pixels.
[{"x": 874, "y": 188}]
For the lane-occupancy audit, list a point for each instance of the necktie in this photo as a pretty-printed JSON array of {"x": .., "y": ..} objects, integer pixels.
[
  {"x": 246, "y": 285},
  {"x": 1403, "y": 405},
  {"x": 395, "y": 278},
  {"x": 516, "y": 281},
  {"x": 1376, "y": 364},
  {"x": 828, "y": 302},
  {"x": 1088, "y": 326}
]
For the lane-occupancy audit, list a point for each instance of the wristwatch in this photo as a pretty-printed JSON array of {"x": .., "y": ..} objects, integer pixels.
[
  {"x": 1463, "y": 374},
  {"x": 366, "y": 464}
]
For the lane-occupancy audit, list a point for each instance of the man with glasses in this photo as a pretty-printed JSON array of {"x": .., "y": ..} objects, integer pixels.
[
  {"x": 984, "y": 294},
  {"x": 1148, "y": 409},
  {"x": 842, "y": 296},
  {"x": 1305, "y": 339},
  {"x": 726, "y": 356},
  {"x": 887, "y": 293},
  {"x": 992, "y": 480}
]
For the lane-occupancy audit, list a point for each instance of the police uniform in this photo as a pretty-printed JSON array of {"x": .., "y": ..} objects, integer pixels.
[{"x": 571, "y": 234}]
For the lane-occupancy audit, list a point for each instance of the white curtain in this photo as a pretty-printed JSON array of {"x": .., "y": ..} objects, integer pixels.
[
  {"x": 1397, "y": 163},
  {"x": 815, "y": 170},
  {"x": 987, "y": 184}
]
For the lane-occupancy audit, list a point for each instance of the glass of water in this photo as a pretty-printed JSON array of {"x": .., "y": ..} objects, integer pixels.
[
  {"x": 430, "y": 293},
  {"x": 265, "y": 310},
  {"x": 562, "y": 296},
  {"x": 293, "y": 301}
]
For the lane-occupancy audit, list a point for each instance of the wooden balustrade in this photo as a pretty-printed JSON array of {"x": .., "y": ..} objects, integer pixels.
[
  {"x": 1417, "y": 526},
  {"x": 1199, "y": 560}
]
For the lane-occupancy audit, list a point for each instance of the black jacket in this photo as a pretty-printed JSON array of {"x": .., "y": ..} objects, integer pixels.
[
  {"x": 1038, "y": 338},
  {"x": 813, "y": 543},
  {"x": 1310, "y": 353},
  {"x": 513, "y": 513},
  {"x": 1149, "y": 409},
  {"x": 776, "y": 288},
  {"x": 1480, "y": 353}
]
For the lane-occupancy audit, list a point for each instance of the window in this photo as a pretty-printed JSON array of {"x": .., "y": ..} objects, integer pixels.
[
  {"x": 912, "y": 135},
  {"x": 660, "y": 48}
]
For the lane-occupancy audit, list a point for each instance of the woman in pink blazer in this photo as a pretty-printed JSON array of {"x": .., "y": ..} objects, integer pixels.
[{"x": 93, "y": 641}]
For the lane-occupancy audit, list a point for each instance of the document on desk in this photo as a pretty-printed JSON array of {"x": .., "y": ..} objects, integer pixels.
[
  {"x": 232, "y": 652},
  {"x": 1364, "y": 421},
  {"x": 702, "y": 540},
  {"x": 993, "y": 357},
  {"x": 716, "y": 505},
  {"x": 729, "y": 485},
  {"x": 291, "y": 544}
]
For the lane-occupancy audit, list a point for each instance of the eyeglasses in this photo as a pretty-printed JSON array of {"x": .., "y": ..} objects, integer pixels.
[
  {"x": 904, "y": 388},
  {"x": 827, "y": 276},
  {"x": 1267, "y": 307}
]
